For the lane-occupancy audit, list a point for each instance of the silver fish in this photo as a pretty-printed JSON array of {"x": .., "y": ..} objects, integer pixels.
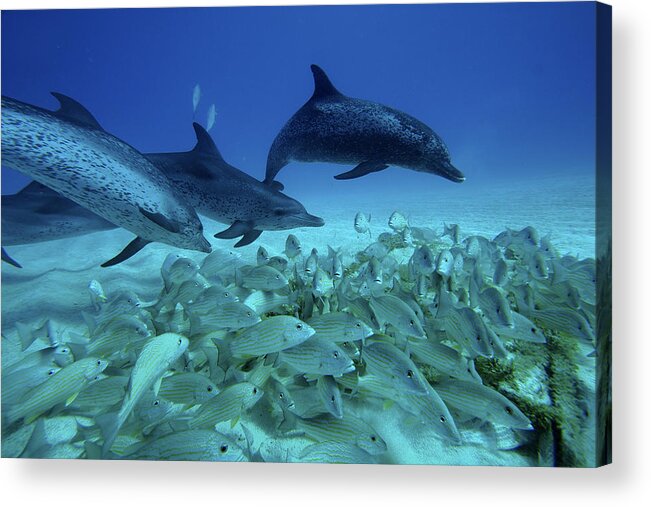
[
  {"x": 271, "y": 335},
  {"x": 398, "y": 222},
  {"x": 389, "y": 309},
  {"x": 317, "y": 356},
  {"x": 292, "y": 247},
  {"x": 482, "y": 402},
  {"x": 393, "y": 367},
  {"x": 340, "y": 327},
  {"x": 362, "y": 223}
]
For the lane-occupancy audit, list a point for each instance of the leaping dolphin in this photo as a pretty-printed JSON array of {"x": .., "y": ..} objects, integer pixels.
[
  {"x": 332, "y": 127},
  {"x": 68, "y": 151},
  {"x": 222, "y": 192}
]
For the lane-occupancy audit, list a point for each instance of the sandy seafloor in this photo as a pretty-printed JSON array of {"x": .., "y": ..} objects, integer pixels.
[{"x": 55, "y": 275}]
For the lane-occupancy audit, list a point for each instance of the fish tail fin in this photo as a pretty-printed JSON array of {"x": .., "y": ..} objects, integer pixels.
[{"x": 109, "y": 425}]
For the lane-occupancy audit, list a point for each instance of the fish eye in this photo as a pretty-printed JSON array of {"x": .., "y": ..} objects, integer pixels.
[
  {"x": 358, "y": 325},
  {"x": 335, "y": 354},
  {"x": 373, "y": 438},
  {"x": 255, "y": 390},
  {"x": 411, "y": 322},
  {"x": 299, "y": 326},
  {"x": 156, "y": 403},
  {"x": 51, "y": 372},
  {"x": 180, "y": 341},
  {"x": 210, "y": 389},
  {"x": 508, "y": 410},
  {"x": 281, "y": 395},
  {"x": 332, "y": 399},
  {"x": 223, "y": 449},
  {"x": 533, "y": 329},
  {"x": 226, "y": 294},
  {"x": 410, "y": 373},
  {"x": 64, "y": 351},
  {"x": 478, "y": 338},
  {"x": 99, "y": 362},
  {"x": 498, "y": 311},
  {"x": 248, "y": 314},
  {"x": 442, "y": 418}
]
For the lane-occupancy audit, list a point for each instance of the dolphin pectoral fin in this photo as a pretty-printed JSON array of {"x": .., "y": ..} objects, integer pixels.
[
  {"x": 7, "y": 258},
  {"x": 238, "y": 228},
  {"x": 277, "y": 185},
  {"x": 161, "y": 220},
  {"x": 362, "y": 170},
  {"x": 129, "y": 251},
  {"x": 248, "y": 238}
]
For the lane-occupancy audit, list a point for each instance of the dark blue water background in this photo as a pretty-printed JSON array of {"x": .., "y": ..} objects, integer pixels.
[{"x": 509, "y": 87}]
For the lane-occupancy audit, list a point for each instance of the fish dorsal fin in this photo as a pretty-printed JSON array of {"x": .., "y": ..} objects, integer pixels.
[
  {"x": 322, "y": 86},
  {"x": 205, "y": 144},
  {"x": 72, "y": 110}
]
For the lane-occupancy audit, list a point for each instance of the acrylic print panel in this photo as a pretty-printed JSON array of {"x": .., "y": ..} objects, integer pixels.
[{"x": 232, "y": 235}]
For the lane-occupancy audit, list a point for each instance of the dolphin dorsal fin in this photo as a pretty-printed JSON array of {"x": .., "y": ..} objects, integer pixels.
[
  {"x": 70, "y": 109},
  {"x": 205, "y": 145},
  {"x": 322, "y": 86}
]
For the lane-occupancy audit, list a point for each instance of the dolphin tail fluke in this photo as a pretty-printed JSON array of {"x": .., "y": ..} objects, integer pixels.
[
  {"x": 362, "y": 170},
  {"x": 129, "y": 251},
  {"x": 7, "y": 258},
  {"x": 248, "y": 238},
  {"x": 238, "y": 228}
]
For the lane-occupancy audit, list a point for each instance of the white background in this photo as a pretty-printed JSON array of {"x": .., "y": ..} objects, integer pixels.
[{"x": 627, "y": 482}]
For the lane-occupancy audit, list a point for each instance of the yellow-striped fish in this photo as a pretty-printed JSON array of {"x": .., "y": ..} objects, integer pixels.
[
  {"x": 393, "y": 367},
  {"x": 62, "y": 387},
  {"x": 340, "y": 327},
  {"x": 392, "y": 310},
  {"x": 271, "y": 335},
  {"x": 154, "y": 359},
  {"x": 483, "y": 402},
  {"x": 228, "y": 405}
]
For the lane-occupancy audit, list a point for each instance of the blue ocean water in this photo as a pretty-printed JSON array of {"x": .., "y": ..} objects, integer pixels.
[{"x": 509, "y": 87}]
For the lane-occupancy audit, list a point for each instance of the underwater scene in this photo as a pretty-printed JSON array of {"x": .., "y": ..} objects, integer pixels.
[{"x": 344, "y": 234}]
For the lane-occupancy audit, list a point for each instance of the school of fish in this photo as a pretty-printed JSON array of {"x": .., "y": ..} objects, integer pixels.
[{"x": 296, "y": 344}]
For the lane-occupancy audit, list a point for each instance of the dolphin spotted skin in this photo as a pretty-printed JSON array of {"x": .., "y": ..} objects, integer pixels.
[
  {"x": 38, "y": 213},
  {"x": 332, "y": 127},
  {"x": 68, "y": 151},
  {"x": 224, "y": 193}
]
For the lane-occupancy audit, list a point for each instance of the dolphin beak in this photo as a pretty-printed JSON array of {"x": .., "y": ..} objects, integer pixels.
[
  {"x": 449, "y": 172},
  {"x": 204, "y": 245},
  {"x": 308, "y": 220}
]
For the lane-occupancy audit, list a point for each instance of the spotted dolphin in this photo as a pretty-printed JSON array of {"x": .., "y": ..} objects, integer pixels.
[
  {"x": 222, "y": 192},
  {"x": 331, "y": 127},
  {"x": 68, "y": 151}
]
